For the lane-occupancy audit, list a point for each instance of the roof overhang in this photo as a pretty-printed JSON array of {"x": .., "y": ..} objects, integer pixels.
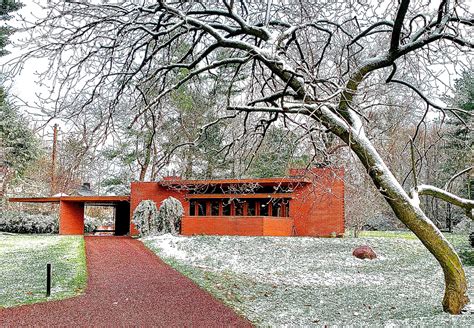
[
  {"x": 261, "y": 181},
  {"x": 76, "y": 199}
]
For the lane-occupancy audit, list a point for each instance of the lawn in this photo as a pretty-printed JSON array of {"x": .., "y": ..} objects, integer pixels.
[
  {"x": 23, "y": 267},
  {"x": 314, "y": 281}
]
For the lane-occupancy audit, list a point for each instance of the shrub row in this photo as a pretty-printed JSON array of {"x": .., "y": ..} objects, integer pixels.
[{"x": 21, "y": 222}]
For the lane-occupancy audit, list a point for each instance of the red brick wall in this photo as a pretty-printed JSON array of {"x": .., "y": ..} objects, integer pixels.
[
  {"x": 278, "y": 227},
  {"x": 237, "y": 226},
  {"x": 71, "y": 218},
  {"x": 318, "y": 208}
]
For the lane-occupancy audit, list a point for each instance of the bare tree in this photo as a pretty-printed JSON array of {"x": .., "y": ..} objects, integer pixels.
[{"x": 320, "y": 65}]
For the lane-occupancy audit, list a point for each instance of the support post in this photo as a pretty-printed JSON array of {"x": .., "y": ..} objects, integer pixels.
[{"x": 48, "y": 279}]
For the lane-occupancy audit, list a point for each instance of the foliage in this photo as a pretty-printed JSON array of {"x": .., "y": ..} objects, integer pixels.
[
  {"x": 90, "y": 224},
  {"x": 169, "y": 215},
  {"x": 6, "y": 7},
  {"x": 18, "y": 143},
  {"x": 118, "y": 189},
  {"x": 459, "y": 143},
  {"x": 20, "y": 222},
  {"x": 275, "y": 155},
  {"x": 145, "y": 218},
  {"x": 23, "y": 267}
]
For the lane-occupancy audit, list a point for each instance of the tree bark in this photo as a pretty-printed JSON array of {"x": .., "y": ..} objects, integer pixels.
[{"x": 413, "y": 217}]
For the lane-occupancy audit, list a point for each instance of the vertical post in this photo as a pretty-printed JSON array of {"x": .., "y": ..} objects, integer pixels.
[
  {"x": 245, "y": 208},
  {"x": 221, "y": 210},
  {"x": 48, "y": 279},
  {"x": 208, "y": 208}
]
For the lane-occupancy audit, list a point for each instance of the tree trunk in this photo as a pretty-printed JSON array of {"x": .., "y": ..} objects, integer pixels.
[{"x": 413, "y": 217}]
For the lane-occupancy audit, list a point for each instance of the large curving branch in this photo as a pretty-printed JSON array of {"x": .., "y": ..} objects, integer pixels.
[{"x": 442, "y": 194}]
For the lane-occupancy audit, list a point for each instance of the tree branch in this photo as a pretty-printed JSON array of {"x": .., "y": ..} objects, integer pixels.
[{"x": 442, "y": 194}]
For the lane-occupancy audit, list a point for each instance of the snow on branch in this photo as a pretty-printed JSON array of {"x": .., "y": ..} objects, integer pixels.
[{"x": 442, "y": 194}]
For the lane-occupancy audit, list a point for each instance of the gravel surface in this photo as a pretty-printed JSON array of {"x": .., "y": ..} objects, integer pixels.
[{"x": 128, "y": 286}]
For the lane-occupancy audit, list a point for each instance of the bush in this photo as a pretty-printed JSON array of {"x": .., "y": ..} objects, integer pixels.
[
  {"x": 145, "y": 218},
  {"x": 90, "y": 224},
  {"x": 169, "y": 215},
  {"x": 20, "y": 222}
]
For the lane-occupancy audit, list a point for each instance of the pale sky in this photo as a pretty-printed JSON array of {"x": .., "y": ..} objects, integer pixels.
[{"x": 26, "y": 86}]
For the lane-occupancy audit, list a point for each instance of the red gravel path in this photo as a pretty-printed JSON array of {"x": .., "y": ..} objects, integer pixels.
[{"x": 128, "y": 285}]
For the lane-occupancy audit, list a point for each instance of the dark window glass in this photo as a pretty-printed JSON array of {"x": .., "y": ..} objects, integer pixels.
[
  {"x": 251, "y": 207},
  {"x": 192, "y": 206},
  {"x": 239, "y": 208},
  {"x": 225, "y": 208},
  {"x": 201, "y": 207},
  {"x": 286, "y": 204},
  {"x": 264, "y": 208},
  {"x": 276, "y": 208},
  {"x": 214, "y": 207}
]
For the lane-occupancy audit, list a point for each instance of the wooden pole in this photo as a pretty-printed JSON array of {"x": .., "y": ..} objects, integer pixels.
[{"x": 53, "y": 159}]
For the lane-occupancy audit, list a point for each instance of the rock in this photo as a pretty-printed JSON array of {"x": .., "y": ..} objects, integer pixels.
[{"x": 364, "y": 252}]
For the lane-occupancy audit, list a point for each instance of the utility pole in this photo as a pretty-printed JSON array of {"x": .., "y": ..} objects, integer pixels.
[{"x": 53, "y": 159}]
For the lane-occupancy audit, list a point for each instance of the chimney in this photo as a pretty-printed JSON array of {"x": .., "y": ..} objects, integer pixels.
[{"x": 85, "y": 190}]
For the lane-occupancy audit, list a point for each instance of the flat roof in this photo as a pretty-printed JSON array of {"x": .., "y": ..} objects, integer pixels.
[
  {"x": 260, "y": 181},
  {"x": 77, "y": 199}
]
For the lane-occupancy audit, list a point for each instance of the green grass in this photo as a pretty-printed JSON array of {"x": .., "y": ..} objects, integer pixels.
[
  {"x": 23, "y": 267},
  {"x": 299, "y": 282},
  {"x": 387, "y": 234},
  {"x": 459, "y": 241}
]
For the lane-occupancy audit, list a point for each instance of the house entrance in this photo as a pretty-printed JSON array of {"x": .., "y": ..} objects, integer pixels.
[
  {"x": 107, "y": 219},
  {"x": 71, "y": 211}
]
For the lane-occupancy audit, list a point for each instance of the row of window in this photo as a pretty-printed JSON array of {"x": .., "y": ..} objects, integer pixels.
[{"x": 235, "y": 207}]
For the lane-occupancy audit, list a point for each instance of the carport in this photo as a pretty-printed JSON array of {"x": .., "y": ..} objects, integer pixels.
[{"x": 71, "y": 211}]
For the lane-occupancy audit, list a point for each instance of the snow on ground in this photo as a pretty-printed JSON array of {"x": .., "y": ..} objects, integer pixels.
[{"x": 295, "y": 282}]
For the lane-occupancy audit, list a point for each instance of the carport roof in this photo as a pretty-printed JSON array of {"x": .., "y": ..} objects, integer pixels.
[{"x": 77, "y": 199}]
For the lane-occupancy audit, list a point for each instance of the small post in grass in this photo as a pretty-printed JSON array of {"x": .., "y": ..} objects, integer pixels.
[{"x": 48, "y": 279}]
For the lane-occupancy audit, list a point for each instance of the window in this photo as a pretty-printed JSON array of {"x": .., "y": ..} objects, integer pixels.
[
  {"x": 192, "y": 207},
  {"x": 201, "y": 208},
  {"x": 264, "y": 208},
  {"x": 286, "y": 207},
  {"x": 277, "y": 208},
  {"x": 226, "y": 208},
  {"x": 251, "y": 207},
  {"x": 239, "y": 207},
  {"x": 214, "y": 207}
]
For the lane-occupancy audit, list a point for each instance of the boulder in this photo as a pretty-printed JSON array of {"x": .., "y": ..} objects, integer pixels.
[{"x": 364, "y": 252}]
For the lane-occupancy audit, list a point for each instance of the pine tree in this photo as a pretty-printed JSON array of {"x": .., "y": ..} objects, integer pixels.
[{"x": 460, "y": 141}]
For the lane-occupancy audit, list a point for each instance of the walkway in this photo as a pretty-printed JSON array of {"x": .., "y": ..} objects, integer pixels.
[{"x": 128, "y": 286}]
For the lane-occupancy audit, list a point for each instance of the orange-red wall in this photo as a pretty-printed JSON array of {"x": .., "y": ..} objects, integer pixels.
[
  {"x": 317, "y": 209},
  {"x": 71, "y": 218},
  {"x": 234, "y": 225}
]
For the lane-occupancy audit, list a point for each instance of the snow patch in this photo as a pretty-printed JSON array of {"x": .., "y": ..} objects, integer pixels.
[{"x": 169, "y": 245}]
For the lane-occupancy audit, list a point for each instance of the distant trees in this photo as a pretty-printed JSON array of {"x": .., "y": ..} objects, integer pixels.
[
  {"x": 459, "y": 144},
  {"x": 18, "y": 145}
]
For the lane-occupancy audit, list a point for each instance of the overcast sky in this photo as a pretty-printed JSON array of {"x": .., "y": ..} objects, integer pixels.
[{"x": 25, "y": 85}]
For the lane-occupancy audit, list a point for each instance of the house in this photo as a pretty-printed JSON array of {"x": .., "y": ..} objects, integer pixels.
[{"x": 306, "y": 203}]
